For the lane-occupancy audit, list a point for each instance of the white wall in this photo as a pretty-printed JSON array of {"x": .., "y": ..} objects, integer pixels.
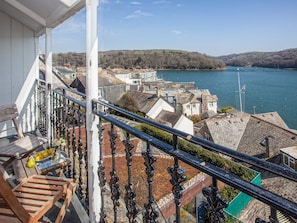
[
  {"x": 160, "y": 105},
  {"x": 184, "y": 124},
  {"x": 191, "y": 109},
  {"x": 148, "y": 75},
  {"x": 212, "y": 106},
  {"x": 19, "y": 67}
]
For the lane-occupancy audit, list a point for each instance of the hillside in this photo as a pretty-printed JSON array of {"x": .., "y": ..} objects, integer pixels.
[
  {"x": 154, "y": 59},
  {"x": 177, "y": 59},
  {"x": 285, "y": 59}
]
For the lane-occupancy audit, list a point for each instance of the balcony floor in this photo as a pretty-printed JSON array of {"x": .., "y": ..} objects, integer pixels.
[{"x": 75, "y": 213}]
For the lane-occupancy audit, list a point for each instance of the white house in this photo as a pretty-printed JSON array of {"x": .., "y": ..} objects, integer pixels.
[
  {"x": 208, "y": 101},
  {"x": 289, "y": 157},
  {"x": 127, "y": 78},
  {"x": 188, "y": 103},
  {"x": 136, "y": 78},
  {"x": 148, "y": 75},
  {"x": 176, "y": 120},
  {"x": 158, "y": 106}
]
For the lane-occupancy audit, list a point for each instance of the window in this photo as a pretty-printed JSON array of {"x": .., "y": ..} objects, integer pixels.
[
  {"x": 285, "y": 160},
  {"x": 292, "y": 163}
]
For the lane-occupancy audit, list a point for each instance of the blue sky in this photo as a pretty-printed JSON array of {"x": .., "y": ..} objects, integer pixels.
[{"x": 213, "y": 27}]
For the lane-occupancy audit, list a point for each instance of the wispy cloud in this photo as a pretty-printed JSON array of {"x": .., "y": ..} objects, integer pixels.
[
  {"x": 160, "y": 2},
  {"x": 135, "y": 3},
  {"x": 73, "y": 24},
  {"x": 179, "y": 5},
  {"x": 176, "y": 32},
  {"x": 138, "y": 14}
]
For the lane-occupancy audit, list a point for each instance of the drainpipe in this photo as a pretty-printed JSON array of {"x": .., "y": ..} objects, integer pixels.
[{"x": 92, "y": 120}]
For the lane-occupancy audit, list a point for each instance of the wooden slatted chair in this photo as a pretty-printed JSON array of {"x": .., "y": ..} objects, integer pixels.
[
  {"x": 33, "y": 198},
  {"x": 24, "y": 145}
]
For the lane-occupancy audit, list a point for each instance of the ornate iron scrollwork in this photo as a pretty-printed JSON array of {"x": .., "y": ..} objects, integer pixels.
[
  {"x": 177, "y": 177},
  {"x": 101, "y": 173},
  {"x": 215, "y": 204},
  {"x": 151, "y": 213},
  {"x": 131, "y": 206},
  {"x": 114, "y": 179},
  {"x": 102, "y": 182}
]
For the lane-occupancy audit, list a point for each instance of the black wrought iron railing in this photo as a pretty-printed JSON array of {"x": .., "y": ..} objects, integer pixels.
[{"x": 68, "y": 121}]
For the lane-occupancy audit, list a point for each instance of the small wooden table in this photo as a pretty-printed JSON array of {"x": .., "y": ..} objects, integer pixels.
[{"x": 22, "y": 171}]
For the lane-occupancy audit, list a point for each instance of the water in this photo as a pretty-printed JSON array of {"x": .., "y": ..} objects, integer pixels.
[{"x": 267, "y": 90}]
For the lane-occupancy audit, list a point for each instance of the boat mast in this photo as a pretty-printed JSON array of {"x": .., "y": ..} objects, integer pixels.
[{"x": 239, "y": 90}]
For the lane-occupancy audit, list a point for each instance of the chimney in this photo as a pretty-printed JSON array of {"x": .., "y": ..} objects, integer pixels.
[
  {"x": 265, "y": 142},
  {"x": 158, "y": 92}
]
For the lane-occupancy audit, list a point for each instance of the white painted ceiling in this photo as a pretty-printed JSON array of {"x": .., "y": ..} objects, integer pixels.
[{"x": 39, "y": 14}]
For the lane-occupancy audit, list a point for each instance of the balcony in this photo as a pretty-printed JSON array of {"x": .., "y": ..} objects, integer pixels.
[
  {"x": 112, "y": 185},
  {"x": 129, "y": 167}
]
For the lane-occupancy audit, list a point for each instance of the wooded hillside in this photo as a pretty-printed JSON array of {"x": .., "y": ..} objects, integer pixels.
[
  {"x": 154, "y": 59},
  {"x": 280, "y": 59},
  {"x": 177, "y": 59},
  {"x": 159, "y": 59}
]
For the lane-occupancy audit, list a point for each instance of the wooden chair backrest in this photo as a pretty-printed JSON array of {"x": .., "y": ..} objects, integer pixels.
[{"x": 10, "y": 112}]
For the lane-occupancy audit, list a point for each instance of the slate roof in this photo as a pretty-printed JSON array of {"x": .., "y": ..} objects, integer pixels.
[
  {"x": 171, "y": 85},
  {"x": 256, "y": 131},
  {"x": 145, "y": 100},
  {"x": 227, "y": 131},
  {"x": 185, "y": 97},
  {"x": 196, "y": 92},
  {"x": 272, "y": 117},
  {"x": 209, "y": 98},
  {"x": 244, "y": 132},
  {"x": 168, "y": 117},
  {"x": 103, "y": 80}
]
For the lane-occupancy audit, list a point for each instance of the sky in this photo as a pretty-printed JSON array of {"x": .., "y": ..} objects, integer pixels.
[{"x": 212, "y": 27}]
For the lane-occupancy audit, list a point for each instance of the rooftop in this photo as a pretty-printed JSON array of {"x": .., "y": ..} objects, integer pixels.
[{"x": 292, "y": 151}]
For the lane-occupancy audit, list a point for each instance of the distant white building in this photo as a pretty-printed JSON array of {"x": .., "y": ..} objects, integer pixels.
[
  {"x": 64, "y": 72},
  {"x": 208, "y": 101},
  {"x": 188, "y": 103},
  {"x": 196, "y": 102},
  {"x": 148, "y": 76},
  {"x": 289, "y": 157},
  {"x": 135, "y": 78}
]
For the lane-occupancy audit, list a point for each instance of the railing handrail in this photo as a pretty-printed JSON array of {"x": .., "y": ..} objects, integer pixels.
[
  {"x": 255, "y": 191},
  {"x": 272, "y": 199},
  {"x": 271, "y": 167},
  {"x": 62, "y": 93}
]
